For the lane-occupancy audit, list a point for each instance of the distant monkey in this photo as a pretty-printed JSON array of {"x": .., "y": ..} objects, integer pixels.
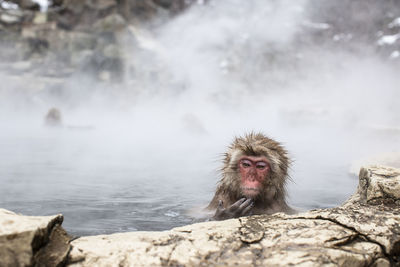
[
  {"x": 253, "y": 180},
  {"x": 53, "y": 117}
]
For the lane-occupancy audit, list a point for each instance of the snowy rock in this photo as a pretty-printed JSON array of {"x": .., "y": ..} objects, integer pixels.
[
  {"x": 11, "y": 16},
  {"x": 395, "y": 23},
  {"x": 388, "y": 39},
  {"x": 395, "y": 54}
]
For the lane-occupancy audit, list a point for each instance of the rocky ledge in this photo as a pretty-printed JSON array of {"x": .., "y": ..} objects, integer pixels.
[{"x": 364, "y": 231}]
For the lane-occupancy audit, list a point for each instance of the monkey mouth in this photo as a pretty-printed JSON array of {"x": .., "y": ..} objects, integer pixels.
[
  {"x": 250, "y": 188},
  {"x": 250, "y": 191}
]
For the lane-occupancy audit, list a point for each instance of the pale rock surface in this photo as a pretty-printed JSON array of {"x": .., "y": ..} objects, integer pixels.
[
  {"x": 378, "y": 184},
  {"x": 22, "y": 236}
]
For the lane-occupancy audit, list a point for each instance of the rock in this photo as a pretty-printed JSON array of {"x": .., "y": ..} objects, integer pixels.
[
  {"x": 57, "y": 3},
  {"x": 74, "y": 6},
  {"x": 21, "y": 237},
  {"x": 56, "y": 251},
  {"x": 82, "y": 59},
  {"x": 112, "y": 51},
  {"x": 108, "y": 61},
  {"x": 8, "y": 19},
  {"x": 11, "y": 16},
  {"x": 79, "y": 41},
  {"x": 40, "y": 18},
  {"x": 29, "y": 4},
  {"x": 101, "y": 4},
  {"x": 111, "y": 23},
  {"x": 154, "y": 249},
  {"x": 163, "y": 3},
  {"x": 378, "y": 185}
]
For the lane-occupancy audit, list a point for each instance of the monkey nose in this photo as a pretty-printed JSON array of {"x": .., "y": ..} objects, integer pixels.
[
  {"x": 251, "y": 178},
  {"x": 253, "y": 172}
]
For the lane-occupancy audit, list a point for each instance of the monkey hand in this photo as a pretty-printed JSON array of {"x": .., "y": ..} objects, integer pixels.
[{"x": 242, "y": 207}]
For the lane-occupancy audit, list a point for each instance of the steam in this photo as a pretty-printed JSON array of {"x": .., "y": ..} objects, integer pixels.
[{"x": 217, "y": 50}]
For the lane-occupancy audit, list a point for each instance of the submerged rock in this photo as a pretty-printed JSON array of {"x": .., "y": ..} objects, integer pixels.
[{"x": 364, "y": 231}]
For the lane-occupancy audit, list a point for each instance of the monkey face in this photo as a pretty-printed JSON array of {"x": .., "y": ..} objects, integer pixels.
[{"x": 253, "y": 172}]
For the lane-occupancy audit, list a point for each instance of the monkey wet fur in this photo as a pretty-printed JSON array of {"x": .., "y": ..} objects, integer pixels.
[{"x": 253, "y": 180}]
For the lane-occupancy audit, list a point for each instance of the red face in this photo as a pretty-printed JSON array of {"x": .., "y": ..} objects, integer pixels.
[{"x": 253, "y": 171}]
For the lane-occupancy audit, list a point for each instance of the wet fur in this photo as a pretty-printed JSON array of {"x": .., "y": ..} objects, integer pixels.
[{"x": 272, "y": 198}]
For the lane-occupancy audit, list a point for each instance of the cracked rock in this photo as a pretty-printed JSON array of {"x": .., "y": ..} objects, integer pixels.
[
  {"x": 377, "y": 185},
  {"x": 22, "y": 237}
]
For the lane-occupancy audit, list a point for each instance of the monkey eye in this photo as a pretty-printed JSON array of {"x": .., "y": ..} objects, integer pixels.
[
  {"x": 245, "y": 163},
  {"x": 261, "y": 165}
]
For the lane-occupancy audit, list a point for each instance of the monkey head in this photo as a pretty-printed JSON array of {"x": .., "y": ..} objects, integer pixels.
[
  {"x": 253, "y": 179},
  {"x": 53, "y": 117},
  {"x": 255, "y": 167}
]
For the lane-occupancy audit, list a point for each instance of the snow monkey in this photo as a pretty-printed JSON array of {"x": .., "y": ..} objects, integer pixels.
[
  {"x": 53, "y": 117},
  {"x": 254, "y": 174}
]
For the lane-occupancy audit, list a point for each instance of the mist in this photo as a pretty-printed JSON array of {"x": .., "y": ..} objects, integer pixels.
[{"x": 152, "y": 142}]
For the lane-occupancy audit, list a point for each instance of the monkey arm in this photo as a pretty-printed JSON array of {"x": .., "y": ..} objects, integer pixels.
[{"x": 242, "y": 207}]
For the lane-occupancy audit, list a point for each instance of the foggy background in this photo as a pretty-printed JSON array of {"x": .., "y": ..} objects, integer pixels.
[{"x": 142, "y": 139}]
